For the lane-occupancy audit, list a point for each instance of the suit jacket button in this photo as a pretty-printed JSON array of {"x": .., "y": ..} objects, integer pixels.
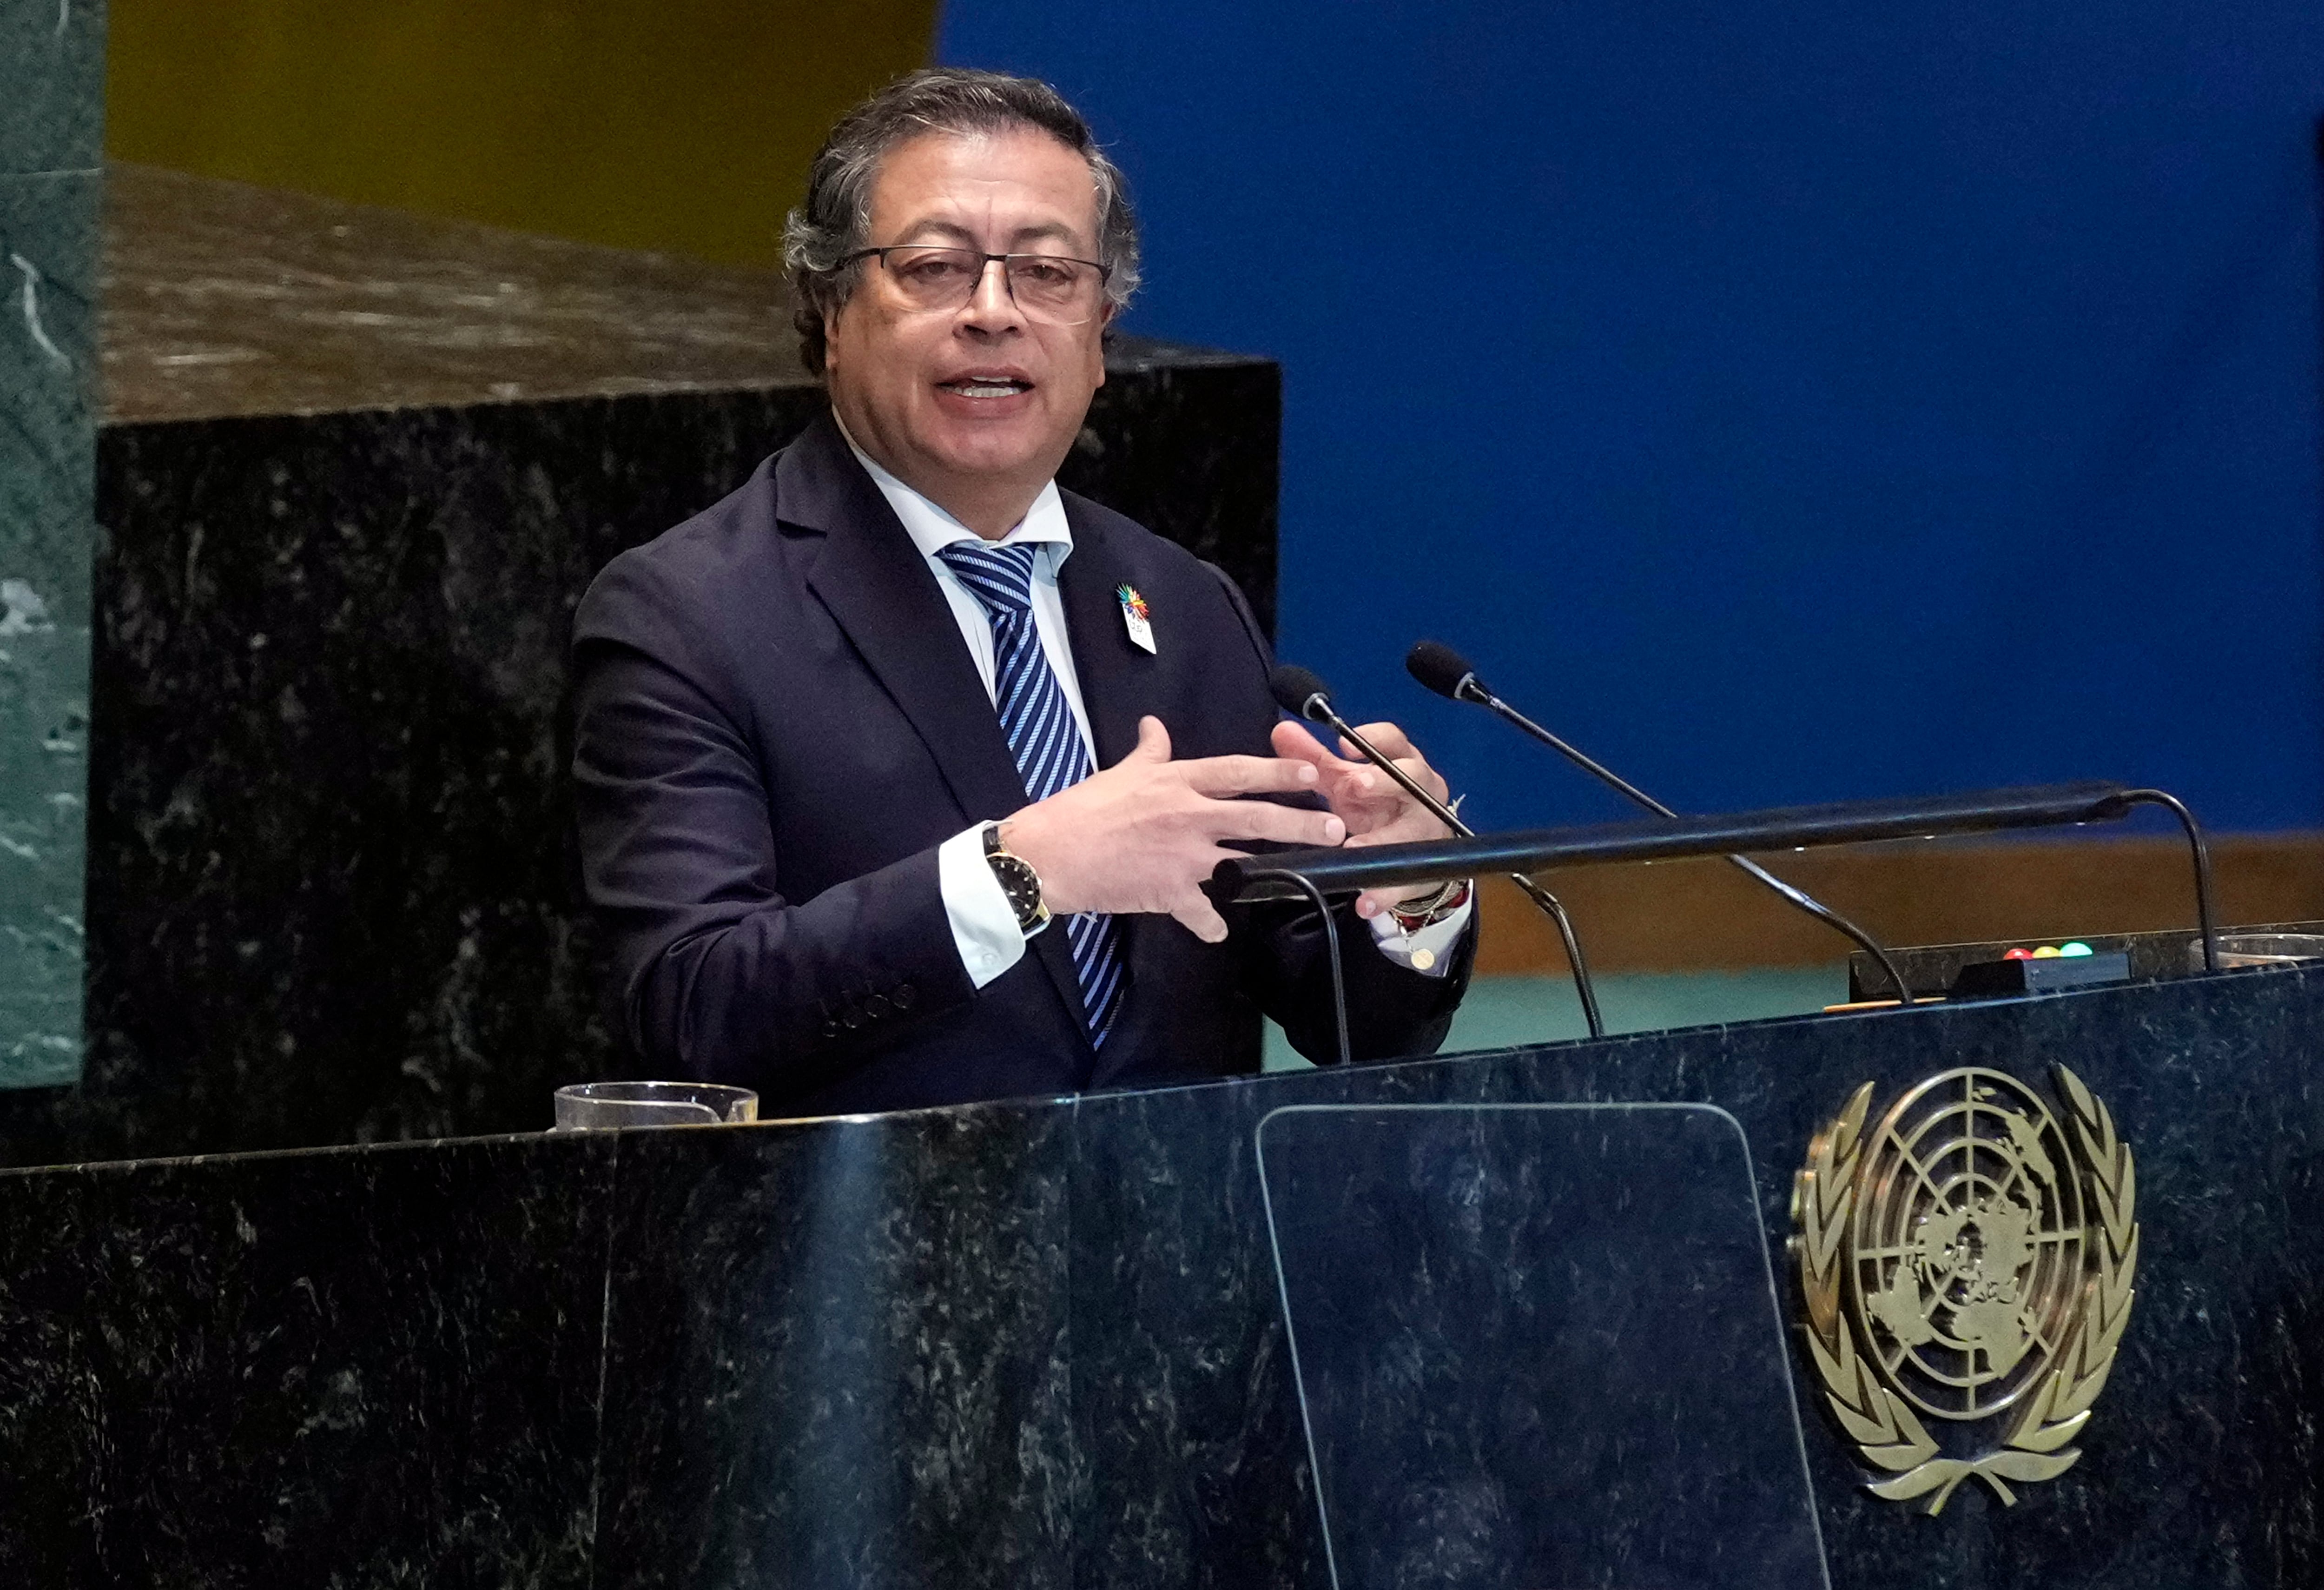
[
  {"x": 876, "y": 1006},
  {"x": 831, "y": 1028},
  {"x": 854, "y": 1017},
  {"x": 902, "y": 996}
]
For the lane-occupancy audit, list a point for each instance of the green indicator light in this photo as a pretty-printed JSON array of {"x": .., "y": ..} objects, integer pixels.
[{"x": 2077, "y": 948}]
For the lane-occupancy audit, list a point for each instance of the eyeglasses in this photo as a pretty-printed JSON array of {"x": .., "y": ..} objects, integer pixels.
[{"x": 1047, "y": 287}]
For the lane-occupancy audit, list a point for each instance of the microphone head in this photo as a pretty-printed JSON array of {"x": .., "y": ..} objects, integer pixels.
[
  {"x": 1299, "y": 691},
  {"x": 1444, "y": 671}
]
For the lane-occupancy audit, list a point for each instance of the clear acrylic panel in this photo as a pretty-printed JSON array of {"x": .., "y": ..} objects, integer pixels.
[{"x": 1538, "y": 1347}]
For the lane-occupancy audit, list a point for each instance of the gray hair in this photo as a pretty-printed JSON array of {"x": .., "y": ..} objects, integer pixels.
[{"x": 821, "y": 233}]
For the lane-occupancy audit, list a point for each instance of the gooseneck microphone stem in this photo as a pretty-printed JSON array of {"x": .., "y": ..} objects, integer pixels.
[
  {"x": 2206, "y": 916},
  {"x": 1331, "y": 952},
  {"x": 1798, "y": 897},
  {"x": 1317, "y": 709},
  {"x": 1469, "y": 687}
]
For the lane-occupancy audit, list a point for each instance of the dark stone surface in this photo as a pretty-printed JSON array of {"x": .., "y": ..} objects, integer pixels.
[
  {"x": 1932, "y": 969},
  {"x": 872, "y": 1383},
  {"x": 1041, "y": 1343},
  {"x": 222, "y": 299},
  {"x": 331, "y": 870},
  {"x": 363, "y": 1368}
]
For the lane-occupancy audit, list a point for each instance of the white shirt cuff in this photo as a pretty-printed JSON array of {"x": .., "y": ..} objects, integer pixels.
[
  {"x": 1427, "y": 950},
  {"x": 983, "y": 923}
]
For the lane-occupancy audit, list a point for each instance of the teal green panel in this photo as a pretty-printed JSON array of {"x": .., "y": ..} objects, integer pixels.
[
  {"x": 1501, "y": 1012},
  {"x": 51, "y": 85},
  {"x": 48, "y": 253}
]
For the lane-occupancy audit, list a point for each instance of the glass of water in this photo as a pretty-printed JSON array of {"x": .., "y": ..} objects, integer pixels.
[
  {"x": 596, "y": 1106},
  {"x": 2261, "y": 950}
]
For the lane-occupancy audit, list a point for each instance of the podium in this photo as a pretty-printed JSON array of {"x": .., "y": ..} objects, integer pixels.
[{"x": 1045, "y": 1343}]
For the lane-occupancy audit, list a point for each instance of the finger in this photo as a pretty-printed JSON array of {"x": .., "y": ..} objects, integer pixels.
[
  {"x": 1263, "y": 819},
  {"x": 1293, "y": 739},
  {"x": 1248, "y": 775},
  {"x": 1199, "y": 917},
  {"x": 1153, "y": 741},
  {"x": 1388, "y": 740},
  {"x": 1341, "y": 778},
  {"x": 1415, "y": 768}
]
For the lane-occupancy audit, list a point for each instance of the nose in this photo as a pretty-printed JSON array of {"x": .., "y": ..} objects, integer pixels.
[{"x": 992, "y": 306}]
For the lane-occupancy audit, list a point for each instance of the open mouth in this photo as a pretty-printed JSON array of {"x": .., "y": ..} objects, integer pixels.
[{"x": 986, "y": 386}]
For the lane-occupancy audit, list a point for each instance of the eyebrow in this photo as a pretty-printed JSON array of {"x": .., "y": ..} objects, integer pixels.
[{"x": 1046, "y": 231}]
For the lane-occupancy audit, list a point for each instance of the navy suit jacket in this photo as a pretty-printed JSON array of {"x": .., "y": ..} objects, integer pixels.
[{"x": 777, "y": 724}]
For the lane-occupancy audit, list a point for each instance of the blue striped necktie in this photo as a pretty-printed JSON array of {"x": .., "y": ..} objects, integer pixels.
[{"x": 1042, "y": 736}]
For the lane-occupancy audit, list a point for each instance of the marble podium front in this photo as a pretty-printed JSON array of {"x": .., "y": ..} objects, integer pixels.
[{"x": 1036, "y": 1344}]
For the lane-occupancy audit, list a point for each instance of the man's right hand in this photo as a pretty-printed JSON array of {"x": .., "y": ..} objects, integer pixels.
[{"x": 1144, "y": 835}]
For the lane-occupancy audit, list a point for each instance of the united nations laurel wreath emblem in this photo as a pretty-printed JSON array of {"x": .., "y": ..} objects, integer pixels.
[{"x": 1969, "y": 1260}]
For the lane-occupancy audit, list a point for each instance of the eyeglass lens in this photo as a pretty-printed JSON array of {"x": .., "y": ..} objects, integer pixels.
[{"x": 1063, "y": 292}]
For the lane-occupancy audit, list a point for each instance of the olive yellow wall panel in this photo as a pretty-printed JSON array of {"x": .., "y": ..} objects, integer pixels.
[{"x": 677, "y": 125}]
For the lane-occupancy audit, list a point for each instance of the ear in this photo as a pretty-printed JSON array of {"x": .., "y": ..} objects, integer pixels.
[{"x": 831, "y": 340}]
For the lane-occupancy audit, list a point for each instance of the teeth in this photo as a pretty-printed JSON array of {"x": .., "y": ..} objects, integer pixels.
[{"x": 988, "y": 389}]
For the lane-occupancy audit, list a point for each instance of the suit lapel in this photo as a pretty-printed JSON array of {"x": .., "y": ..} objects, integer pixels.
[
  {"x": 878, "y": 589},
  {"x": 1119, "y": 682}
]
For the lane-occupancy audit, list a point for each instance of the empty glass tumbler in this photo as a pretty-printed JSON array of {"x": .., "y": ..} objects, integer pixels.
[
  {"x": 596, "y": 1106},
  {"x": 2261, "y": 950}
]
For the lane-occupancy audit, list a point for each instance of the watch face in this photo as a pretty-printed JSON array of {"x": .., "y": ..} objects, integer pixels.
[{"x": 1021, "y": 884}]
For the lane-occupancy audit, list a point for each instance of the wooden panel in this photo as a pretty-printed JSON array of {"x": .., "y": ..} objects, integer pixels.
[{"x": 1674, "y": 915}]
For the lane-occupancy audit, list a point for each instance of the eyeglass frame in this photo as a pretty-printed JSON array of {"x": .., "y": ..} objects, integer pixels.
[{"x": 984, "y": 262}]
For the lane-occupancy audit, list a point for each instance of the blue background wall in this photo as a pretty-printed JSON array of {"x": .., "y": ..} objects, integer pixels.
[{"x": 1787, "y": 402}]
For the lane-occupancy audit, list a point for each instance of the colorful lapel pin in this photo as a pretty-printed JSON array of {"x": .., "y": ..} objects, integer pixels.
[{"x": 1135, "y": 618}]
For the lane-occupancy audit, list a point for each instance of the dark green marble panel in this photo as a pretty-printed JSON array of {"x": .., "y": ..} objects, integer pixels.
[
  {"x": 48, "y": 339},
  {"x": 51, "y": 85}
]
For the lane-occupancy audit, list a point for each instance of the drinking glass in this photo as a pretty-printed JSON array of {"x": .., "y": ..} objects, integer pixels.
[
  {"x": 2261, "y": 949},
  {"x": 596, "y": 1106}
]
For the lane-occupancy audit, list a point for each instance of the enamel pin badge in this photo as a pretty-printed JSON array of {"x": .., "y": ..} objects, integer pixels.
[{"x": 1135, "y": 618}]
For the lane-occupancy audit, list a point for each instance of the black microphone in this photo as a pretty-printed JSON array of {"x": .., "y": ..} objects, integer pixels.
[
  {"x": 1303, "y": 693},
  {"x": 1440, "y": 668}
]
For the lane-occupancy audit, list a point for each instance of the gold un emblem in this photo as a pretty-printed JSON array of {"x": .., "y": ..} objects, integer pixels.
[{"x": 1970, "y": 1259}]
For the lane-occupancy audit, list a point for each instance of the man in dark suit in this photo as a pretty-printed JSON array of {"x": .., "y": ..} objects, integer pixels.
[{"x": 899, "y": 769}]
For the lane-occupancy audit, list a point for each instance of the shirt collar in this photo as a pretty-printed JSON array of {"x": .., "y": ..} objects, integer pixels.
[{"x": 931, "y": 528}]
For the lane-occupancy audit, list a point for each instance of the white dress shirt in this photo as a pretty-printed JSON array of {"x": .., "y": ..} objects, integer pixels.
[{"x": 984, "y": 922}]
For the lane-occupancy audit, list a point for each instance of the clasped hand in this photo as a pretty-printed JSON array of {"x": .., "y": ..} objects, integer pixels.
[{"x": 1144, "y": 834}]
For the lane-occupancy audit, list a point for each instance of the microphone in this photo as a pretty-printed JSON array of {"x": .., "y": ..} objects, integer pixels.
[
  {"x": 1303, "y": 694},
  {"x": 1440, "y": 668}
]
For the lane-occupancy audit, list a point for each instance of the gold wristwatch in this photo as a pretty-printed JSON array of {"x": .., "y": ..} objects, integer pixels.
[
  {"x": 1019, "y": 882},
  {"x": 1426, "y": 911}
]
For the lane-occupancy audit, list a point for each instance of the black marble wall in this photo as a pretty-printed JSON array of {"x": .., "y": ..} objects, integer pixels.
[
  {"x": 1037, "y": 1345},
  {"x": 332, "y": 890}
]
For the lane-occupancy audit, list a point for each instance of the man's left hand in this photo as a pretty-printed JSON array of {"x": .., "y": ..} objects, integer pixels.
[{"x": 1375, "y": 808}]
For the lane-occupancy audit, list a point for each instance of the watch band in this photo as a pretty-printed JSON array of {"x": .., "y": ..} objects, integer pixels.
[{"x": 1428, "y": 910}]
